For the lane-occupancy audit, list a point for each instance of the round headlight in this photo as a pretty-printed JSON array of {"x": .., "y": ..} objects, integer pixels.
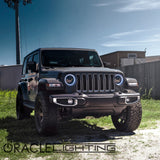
[
  {"x": 70, "y": 79},
  {"x": 118, "y": 79}
]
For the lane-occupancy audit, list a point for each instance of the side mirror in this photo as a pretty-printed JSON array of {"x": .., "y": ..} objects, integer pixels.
[{"x": 32, "y": 66}]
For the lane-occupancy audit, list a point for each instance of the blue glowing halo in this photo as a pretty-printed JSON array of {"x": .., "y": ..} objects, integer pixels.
[
  {"x": 68, "y": 78},
  {"x": 121, "y": 79}
]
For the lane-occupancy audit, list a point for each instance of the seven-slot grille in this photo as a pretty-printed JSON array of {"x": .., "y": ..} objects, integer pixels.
[{"x": 95, "y": 82}]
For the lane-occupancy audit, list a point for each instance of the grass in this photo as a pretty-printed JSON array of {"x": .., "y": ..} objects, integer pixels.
[
  {"x": 150, "y": 116},
  {"x": 23, "y": 133},
  {"x": 151, "y": 113}
]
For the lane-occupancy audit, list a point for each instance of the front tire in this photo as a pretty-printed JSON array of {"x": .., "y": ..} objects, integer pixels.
[
  {"x": 129, "y": 119},
  {"x": 46, "y": 115}
]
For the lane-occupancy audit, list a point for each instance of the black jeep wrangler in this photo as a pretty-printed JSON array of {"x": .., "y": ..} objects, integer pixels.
[{"x": 65, "y": 83}]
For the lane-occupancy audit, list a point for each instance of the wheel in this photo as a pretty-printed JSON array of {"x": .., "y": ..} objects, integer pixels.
[
  {"x": 21, "y": 111},
  {"x": 46, "y": 115},
  {"x": 129, "y": 119}
]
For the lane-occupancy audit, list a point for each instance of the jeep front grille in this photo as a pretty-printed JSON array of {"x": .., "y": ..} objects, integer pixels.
[{"x": 95, "y": 82}]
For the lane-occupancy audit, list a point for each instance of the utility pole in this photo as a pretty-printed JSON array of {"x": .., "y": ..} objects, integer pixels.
[{"x": 14, "y": 4}]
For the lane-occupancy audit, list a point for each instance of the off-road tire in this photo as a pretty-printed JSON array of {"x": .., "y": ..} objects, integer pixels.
[
  {"x": 21, "y": 111},
  {"x": 129, "y": 119},
  {"x": 46, "y": 115}
]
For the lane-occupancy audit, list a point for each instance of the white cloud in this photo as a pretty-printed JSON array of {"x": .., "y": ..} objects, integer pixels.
[
  {"x": 119, "y": 44},
  {"x": 153, "y": 39},
  {"x": 156, "y": 35},
  {"x": 139, "y": 5},
  {"x": 130, "y": 33},
  {"x": 101, "y": 4},
  {"x": 118, "y": 35}
]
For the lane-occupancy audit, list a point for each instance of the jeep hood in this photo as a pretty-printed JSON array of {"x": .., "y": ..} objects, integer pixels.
[{"x": 82, "y": 69}]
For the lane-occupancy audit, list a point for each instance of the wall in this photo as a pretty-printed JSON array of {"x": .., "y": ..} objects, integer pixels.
[
  {"x": 131, "y": 61},
  {"x": 148, "y": 76},
  {"x": 124, "y": 54},
  {"x": 10, "y": 76}
]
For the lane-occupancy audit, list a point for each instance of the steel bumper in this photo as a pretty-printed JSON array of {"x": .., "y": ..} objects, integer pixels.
[{"x": 95, "y": 103}]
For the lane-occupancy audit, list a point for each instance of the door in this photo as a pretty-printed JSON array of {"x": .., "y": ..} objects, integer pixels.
[{"x": 33, "y": 77}]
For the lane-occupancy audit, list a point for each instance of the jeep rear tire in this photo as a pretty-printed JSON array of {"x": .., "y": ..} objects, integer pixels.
[
  {"x": 21, "y": 111},
  {"x": 129, "y": 119},
  {"x": 46, "y": 115}
]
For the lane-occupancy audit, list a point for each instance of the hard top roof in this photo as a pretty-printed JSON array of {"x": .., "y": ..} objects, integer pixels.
[{"x": 69, "y": 49}]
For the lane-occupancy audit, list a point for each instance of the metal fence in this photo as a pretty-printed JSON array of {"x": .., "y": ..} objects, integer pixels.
[
  {"x": 10, "y": 76},
  {"x": 148, "y": 76}
]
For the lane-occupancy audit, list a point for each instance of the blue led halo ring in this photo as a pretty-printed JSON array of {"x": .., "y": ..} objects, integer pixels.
[
  {"x": 122, "y": 79},
  {"x": 74, "y": 80}
]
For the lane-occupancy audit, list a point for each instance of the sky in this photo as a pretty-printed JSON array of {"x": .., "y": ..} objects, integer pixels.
[{"x": 104, "y": 25}]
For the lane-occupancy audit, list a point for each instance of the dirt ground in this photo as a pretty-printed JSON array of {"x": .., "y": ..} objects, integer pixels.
[
  {"x": 138, "y": 145},
  {"x": 142, "y": 145}
]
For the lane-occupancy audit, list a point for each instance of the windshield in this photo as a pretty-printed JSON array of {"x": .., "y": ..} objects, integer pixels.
[{"x": 69, "y": 58}]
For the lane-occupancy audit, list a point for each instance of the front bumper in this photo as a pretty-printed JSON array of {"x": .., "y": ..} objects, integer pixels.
[{"x": 91, "y": 104}]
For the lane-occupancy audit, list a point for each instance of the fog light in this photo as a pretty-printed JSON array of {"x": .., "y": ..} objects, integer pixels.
[
  {"x": 70, "y": 101},
  {"x": 127, "y": 99}
]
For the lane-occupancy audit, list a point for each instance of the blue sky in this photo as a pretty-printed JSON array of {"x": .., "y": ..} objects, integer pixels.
[{"x": 104, "y": 25}]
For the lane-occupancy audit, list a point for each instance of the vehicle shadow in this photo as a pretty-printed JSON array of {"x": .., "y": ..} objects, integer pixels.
[{"x": 70, "y": 131}]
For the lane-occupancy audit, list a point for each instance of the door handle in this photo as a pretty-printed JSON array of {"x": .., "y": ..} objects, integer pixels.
[
  {"x": 23, "y": 80},
  {"x": 30, "y": 79}
]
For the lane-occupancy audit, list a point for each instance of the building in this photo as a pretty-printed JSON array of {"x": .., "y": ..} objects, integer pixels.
[
  {"x": 123, "y": 58},
  {"x": 152, "y": 59}
]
